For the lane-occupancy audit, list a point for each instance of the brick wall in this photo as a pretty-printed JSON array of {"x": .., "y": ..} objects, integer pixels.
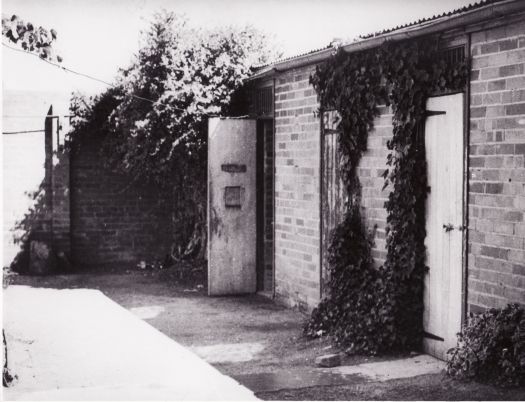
[
  {"x": 370, "y": 172},
  {"x": 297, "y": 142},
  {"x": 496, "y": 259},
  {"x": 297, "y": 196},
  {"x": 496, "y": 249},
  {"x": 60, "y": 219},
  {"x": 113, "y": 221}
]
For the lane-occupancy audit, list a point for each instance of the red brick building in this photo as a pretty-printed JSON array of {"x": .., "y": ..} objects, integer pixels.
[{"x": 477, "y": 169}]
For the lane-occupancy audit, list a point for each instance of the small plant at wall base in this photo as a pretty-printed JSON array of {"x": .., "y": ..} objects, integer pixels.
[
  {"x": 491, "y": 348},
  {"x": 376, "y": 309}
]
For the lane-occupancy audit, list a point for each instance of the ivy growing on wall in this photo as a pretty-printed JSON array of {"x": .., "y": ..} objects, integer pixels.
[{"x": 372, "y": 309}]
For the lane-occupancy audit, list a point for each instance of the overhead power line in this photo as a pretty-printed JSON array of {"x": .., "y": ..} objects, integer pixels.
[
  {"x": 32, "y": 116},
  {"x": 67, "y": 69},
  {"x": 22, "y": 132},
  {"x": 84, "y": 75}
]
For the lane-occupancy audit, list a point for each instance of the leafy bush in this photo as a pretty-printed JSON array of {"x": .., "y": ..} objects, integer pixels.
[
  {"x": 352, "y": 311},
  {"x": 491, "y": 348}
]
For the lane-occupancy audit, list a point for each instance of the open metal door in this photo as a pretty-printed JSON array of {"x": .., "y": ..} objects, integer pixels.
[{"x": 231, "y": 206}]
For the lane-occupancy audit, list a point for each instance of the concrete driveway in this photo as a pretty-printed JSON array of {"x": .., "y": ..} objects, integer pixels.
[
  {"x": 238, "y": 335},
  {"x": 77, "y": 344}
]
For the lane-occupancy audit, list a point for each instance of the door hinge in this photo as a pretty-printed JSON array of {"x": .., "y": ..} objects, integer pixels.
[
  {"x": 434, "y": 112},
  {"x": 432, "y": 336}
]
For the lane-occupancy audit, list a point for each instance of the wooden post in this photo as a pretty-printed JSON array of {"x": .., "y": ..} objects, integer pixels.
[{"x": 48, "y": 178}]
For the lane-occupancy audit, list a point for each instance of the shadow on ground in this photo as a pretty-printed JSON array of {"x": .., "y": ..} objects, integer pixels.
[{"x": 433, "y": 387}]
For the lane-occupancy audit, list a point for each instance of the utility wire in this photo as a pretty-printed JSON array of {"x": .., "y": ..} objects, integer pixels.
[
  {"x": 67, "y": 69},
  {"x": 33, "y": 116},
  {"x": 177, "y": 142},
  {"x": 22, "y": 132},
  {"x": 29, "y": 116},
  {"x": 84, "y": 75}
]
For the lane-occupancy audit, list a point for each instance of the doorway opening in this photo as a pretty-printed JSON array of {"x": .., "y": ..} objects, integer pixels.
[{"x": 264, "y": 204}]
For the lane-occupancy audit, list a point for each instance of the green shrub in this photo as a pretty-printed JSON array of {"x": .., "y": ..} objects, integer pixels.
[{"x": 491, "y": 348}]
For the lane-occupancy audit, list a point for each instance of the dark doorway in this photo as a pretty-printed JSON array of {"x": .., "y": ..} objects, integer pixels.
[{"x": 264, "y": 208}]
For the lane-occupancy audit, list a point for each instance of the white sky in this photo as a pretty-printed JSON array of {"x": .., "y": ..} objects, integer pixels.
[{"x": 97, "y": 37}]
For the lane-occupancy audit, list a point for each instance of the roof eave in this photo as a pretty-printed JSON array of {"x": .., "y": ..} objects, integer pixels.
[{"x": 426, "y": 28}]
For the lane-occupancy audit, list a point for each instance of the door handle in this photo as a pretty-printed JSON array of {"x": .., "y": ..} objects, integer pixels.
[{"x": 449, "y": 227}]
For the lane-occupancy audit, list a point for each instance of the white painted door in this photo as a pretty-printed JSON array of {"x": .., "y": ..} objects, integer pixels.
[
  {"x": 444, "y": 220},
  {"x": 231, "y": 206}
]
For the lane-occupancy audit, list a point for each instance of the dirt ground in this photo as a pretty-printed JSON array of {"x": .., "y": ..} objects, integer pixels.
[{"x": 267, "y": 335}]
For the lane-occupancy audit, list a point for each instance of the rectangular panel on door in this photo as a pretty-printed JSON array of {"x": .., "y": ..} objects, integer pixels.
[
  {"x": 444, "y": 146},
  {"x": 231, "y": 206}
]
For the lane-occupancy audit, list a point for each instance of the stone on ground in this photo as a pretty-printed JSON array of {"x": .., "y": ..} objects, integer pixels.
[
  {"x": 41, "y": 258},
  {"x": 331, "y": 360}
]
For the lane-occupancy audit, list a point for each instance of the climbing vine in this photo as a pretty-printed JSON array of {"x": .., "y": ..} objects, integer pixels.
[{"x": 373, "y": 309}]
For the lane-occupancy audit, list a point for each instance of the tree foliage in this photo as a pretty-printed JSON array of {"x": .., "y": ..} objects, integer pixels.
[
  {"x": 188, "y": 74},
  {"x": 156, "y": 131},
  {"x": 34, "y": 39}
]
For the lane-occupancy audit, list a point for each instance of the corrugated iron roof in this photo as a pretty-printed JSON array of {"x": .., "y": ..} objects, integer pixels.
[
  {"x": 293, "y": 57},
  {"x": 456, "y": 11},
  {"x": 467, "y": 8}
]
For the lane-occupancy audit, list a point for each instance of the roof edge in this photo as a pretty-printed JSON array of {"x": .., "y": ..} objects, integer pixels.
[{"x": 413, "y": 31}]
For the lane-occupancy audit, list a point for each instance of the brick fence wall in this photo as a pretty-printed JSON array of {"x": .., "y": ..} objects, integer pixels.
[
  {"x": 113, "y": 220},
  {"x": 496, "y": 256},
  {"x": 297, "y": 154},
  {"x": 60, "y": 193}
]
